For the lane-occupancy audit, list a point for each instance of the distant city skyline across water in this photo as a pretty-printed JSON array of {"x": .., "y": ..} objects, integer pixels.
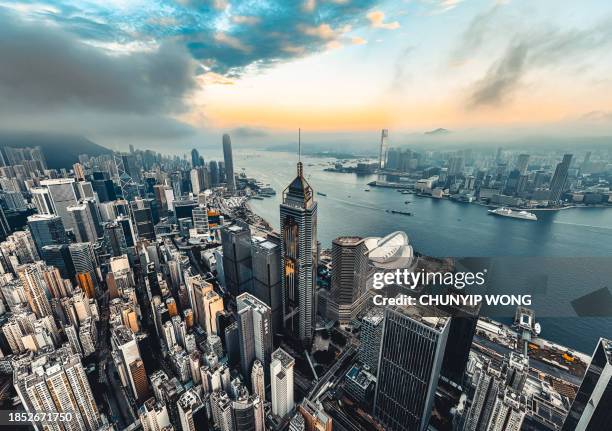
[{"x": 443, "y": 228}]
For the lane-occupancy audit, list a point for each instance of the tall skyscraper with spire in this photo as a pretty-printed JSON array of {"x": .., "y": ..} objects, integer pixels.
[
  {"x": 229, "y": 162},
  {"x": 298, "y": 223}
]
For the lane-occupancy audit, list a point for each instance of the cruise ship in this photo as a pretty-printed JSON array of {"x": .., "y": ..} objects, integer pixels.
[{"x": 507, "y": 212}]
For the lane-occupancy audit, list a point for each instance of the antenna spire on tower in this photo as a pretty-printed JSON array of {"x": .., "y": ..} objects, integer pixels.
[{"x": 300, "y": 169}]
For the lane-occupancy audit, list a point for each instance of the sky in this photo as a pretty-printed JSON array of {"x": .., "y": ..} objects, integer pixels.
[{"x": 182, "y": 72}]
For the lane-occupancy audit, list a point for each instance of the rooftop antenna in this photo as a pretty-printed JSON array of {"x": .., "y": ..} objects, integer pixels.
[{"x": 299, "y": 165}]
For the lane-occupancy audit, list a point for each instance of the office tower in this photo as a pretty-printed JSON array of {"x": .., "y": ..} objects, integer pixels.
[
  {"x": 195, "y": 158},
  {"x": 315, "y": 417},
  {"x": 228, "y": 163},
  {"x": 258, "y": 385},
  {"x": 129, "y": 362},
  {"x": 183, "y": 208},
  {"x": 213, "y": 168},
  {"x": 455, "y": 166},
  {"x": 34, "y": 286},
  {"x": 105, "y": 189},
  {"x": 512, "y": 182},
  {"x": 522, "y": 163},
  {"x": 559, "y": 179},
  {"x": 83, "y": 223},
  {"x": 255, "y": 331},
  {"x": 247, "y": 412},
  {"x": 384, "y": 148},
  {"x": 84, "y": 190},
  {"x": 5, "y": 228},
  {"x": 128, "y": 230},
  {"x": 371, "y": 335},
  {"x": 143, "y": 221},
  {"x": 460, "y": 336},
  {"x": 192, "y": 412},
  {"x": 83, "y": 259},
  {"x": 59, "y": 256},
  {"x": 58, "y": 384},
  {"x": 153, "y": 415},
  {"x": 298, "y": 222},
  {"x": 198, "y": 180},
  {"x": 114, "y": 239},
  {"x": 265, "y": 263},
  {"x": 411, "y": 352},
  {"x": 47, "y": 229},
  {"x": 41, "y": 198},
  {"x": 592, "y": 407},
  {"x": 350, "y": 268},
  {"x": 236, "y": 242},
  {"x": 63, "y": 195},
  {"x": 281, "y": 380},
  {"x": 200, "y": 220}
]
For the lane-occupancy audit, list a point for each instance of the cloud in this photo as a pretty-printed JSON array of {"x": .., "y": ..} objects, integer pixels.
[
  {"x": 532, "y": 48},
  {"x": 46, "y": 68},
  {"x": 377, "y": 20},
  {"x": 501, "y": 79},
  {"x": 357, "y": 40},
  {"x": 247, "y": 132}
]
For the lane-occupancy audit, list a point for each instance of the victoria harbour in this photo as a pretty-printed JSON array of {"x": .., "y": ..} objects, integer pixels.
[
  {"x": 436, "y": 227},
  {"x": 444, "y": 228}
]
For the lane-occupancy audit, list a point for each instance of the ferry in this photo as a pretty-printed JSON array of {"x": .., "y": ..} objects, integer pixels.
[{"x": 507, "y": 212}]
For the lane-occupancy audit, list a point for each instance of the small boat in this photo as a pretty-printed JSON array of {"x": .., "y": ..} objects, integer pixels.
[
  {"x": 366, "y": 190},
  {"x": 401, "y": 212},
  {"x": 407, "y": 202},
  {"x": 321, "y": 194}
]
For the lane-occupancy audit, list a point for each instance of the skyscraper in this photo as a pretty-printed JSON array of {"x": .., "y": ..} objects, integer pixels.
[
  {"x": 229, "y": 163},
  {"x": 195, "y": 158},
  {"x": 236, "y": 242},
  {"x": 63, "y": 195},
  {"x": 411, "y": 355},
  {"x": 255, "y": 331},
  {"x": 350, "y": 267},
  {"x": 592, "y": 407},
  {"x": 559, "y": 179},
  {"x": 371, "y": 335},
  {"x": 522, "y": 162},
  {"x": 83, "y": 223},
  {"x": 281, "y": 379},
  {"x": 47, "y": 229},
  {"x": 298, "y": 223},
  {"x": 265, "y": 263}
]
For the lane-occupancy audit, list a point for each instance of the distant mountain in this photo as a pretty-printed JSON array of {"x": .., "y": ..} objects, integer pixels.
[
  {"x": 61, "y": 151},
  {"x": 438, "y": 131}
]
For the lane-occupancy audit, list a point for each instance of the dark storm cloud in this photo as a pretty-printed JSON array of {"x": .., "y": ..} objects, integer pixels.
[{"x": 45, "y": 68}]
